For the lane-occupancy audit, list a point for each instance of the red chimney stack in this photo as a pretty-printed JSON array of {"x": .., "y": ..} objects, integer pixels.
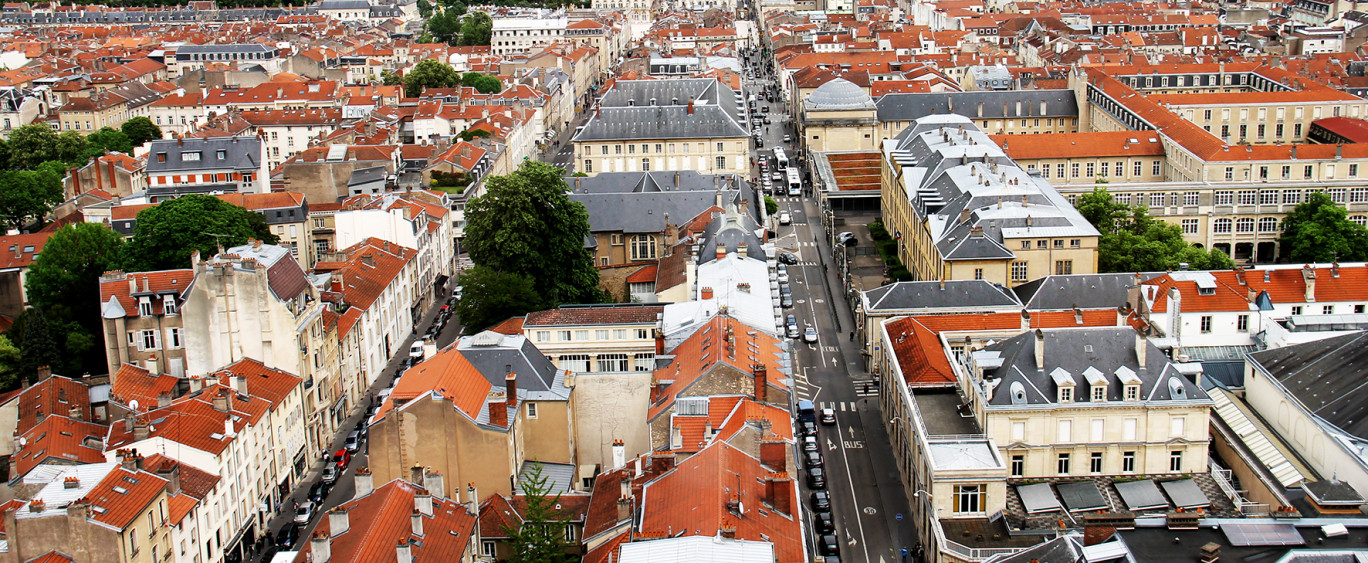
[{"x": 761, "y": 383}]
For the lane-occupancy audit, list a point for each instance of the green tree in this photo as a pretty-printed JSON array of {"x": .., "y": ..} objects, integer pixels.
[
  {"x": 391, "y": 79},
  {"x": 104, "y": 141},
  {"x": 140, "y": 130},
  {"x": 70, "y": 148},
  {"x": 771, "y": 206},
  {"x": 1134, "y": 241},
  {"x": 32, "y": 145},
  {"x": 10, "y": 362},
  {"x": 38, "y": 346},
  {"x": 430, "y": 74},
  {"x": 168, "y": 232},
  {"x": 4, "y": 154},
  {"x": 445, "y": 27},
  {"x": 470, "y": 134},
  {"x": 476, "y": 29},
  {"x": 526, "y": 224},
  {"x": 541, "y": 537},
  {"x": 28, "y": 195},
  {"x": 1319, "y": 230},
  {"x": 68, "y": 269},
  {"x": 424, "y": 9},
  {"x": 489, "y": 296},
  {"x": 482, "y": 83}
]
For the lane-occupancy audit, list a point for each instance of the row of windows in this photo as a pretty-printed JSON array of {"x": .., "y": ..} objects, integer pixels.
[
  {"x": 607, "y": 362},
  {"x": 1018, "y": 270},
  {"x": 151, "y": 339},
  {"x": 1064, "y": 466},
  {"x": 660, "y": 148},
  {"x": 600, "y": 335},
  {"x": 718, "y": 162},
  {"x": 1045, "y": 243},
  {"x": 1091, "y": 169},
  {"x": 1097, "y": 427}
]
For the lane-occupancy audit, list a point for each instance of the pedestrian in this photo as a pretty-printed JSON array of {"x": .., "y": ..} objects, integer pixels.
[
  {"x": 852, "y": 336},
  {"x": 296, "y": 505}
]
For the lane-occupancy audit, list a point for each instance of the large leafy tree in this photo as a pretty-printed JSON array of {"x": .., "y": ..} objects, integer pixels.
[
  {"x": 141, "y": 130},
  {"x": 32, "y": 145},
  {"x": 70, "y": 148},
  {"x": 1134, "y": 241},
  {"x": 430, "y": 74},
  {"x": 490, "y": 296},
  {"x": 38, "y": 347},
  {"x": 1319, "y": 230},
  {"x": 52, "y": 337},
  {"x": 445, "y": 27},
  {"x": 28, "y": 195},
  {"x": 11, "y": 361},
  {"x": 68, "y": 269},
  {"x": 476, "y": 29},
  {"x": 167, "y": 233},
  {"x": 482, "y": 83},
  {"x": 541, "y": 537},
  {"x": 525, "y": 223},
  {"x": 106, "y": 140}
]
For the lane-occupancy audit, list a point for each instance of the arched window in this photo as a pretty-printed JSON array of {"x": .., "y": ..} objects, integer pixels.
[
  {"x": 1245, "y": 225},
  {"x": 1221, "y": 226},
  {"x": 643, "y": 247},
  {"x": 1268, "y": 224}
]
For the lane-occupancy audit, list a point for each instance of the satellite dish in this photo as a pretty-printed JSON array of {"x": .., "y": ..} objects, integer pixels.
[
  {"x": 133, "y": 404},
  {"x": 23, "y": 441}
]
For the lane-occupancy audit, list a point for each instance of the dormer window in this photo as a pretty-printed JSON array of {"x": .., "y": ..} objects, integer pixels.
[
  {"x": 144, "y": 306},
  {"x": 190, "y": 156},
  {"x": 1097, "y": 384},
  {"x": 1064, "y": 382},
  {"x": 1132, "y": 392},
  {"x": 1099, "y": 394},
  {"x": 1066, "y": 394},
  {"x": 169, "y": 304}
]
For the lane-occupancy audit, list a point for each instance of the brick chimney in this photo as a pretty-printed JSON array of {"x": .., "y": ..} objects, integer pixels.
[
  {"x": 761, "y": 383},
  {"x": 774, "y": 454},
  {"x": 659, "y": 342},
  {"x": 706, "y": 293},
  {"x": 690, "y": 107},
  {"x": 498, "y": 413},
  {"x": 781, "y": 493},
  {"x": 661, "y": 463},
  {"x": 339, "y": 521}
]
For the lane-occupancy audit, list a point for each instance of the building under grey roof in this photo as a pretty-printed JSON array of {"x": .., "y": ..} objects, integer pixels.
[
  {"x": 732, "y": 232},
  {"x": 685, "y": 108},
  {"x": 1084, "y": 291},
  {"x": 979, "y": 104},
  {"x": 1013, "y": 376},
  {"x": 1325, "y": 376},
  {"x": 344, "y": 5},
  {"x": 199, "y": 155},
  {"x": 649, "y": 202},
  {"x": 496, "y": 355},
  {"x": 907, "y": 297},
  {"x": 838, "y": 94}
]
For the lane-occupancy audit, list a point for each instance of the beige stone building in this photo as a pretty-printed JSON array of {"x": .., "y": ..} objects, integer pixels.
[
  {"x": 839, "y": 115},
  {"x": 959, "y": 208},
  {"x": 1088, "y": 158},
  {"x": 142, "y": 319},
  {"x": 478, "y": 411}
]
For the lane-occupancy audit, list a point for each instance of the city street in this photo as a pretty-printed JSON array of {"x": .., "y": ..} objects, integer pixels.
[{"x": 868, "y": 502}]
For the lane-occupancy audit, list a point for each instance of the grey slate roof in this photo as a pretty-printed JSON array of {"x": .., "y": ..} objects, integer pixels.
[
  {"x": 1326, "y": 376},
  {"x": 730, "y": 230},
  {"x": 344, "y": 5},
  {"x": 224, "y": 48},
  {"x": 1085, "y": 291},
  {"x": 954, "y": 294},
  {"x": 640, "y": 202},
  {"x": 996, "y": 104},
  {"x": 492, "y": 353},
  {"x": 1075, "y": 351},
  {"x": 240, "y": 153},
  {"x": 659, "y": 109}
]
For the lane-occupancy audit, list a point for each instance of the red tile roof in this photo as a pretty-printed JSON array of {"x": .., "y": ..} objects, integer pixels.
[
  {"x": 132, "y": 383},
  {"x": 510, "y": 326},
  {"x": 596, "y": 315},
  {"x": 269, "y": 384},
  {"x": 448, "y": 373},
  {"x": 20, "y": 250},
  {"x": 122, "y": 496},
  {"x": 61, "y": 440},
  {"x": 370, "y": 267},
  {"x": 1356, "y": 130},
  {"x": 55, "y": 395},
  {"x": 707, "y": 349},
  {"x": 1076, "y": 145},
  {"x": 193, "y": 421},
  {"x": 1284, "y": 285},
  {"x": 380, "y": 520},
  {"x": 117, "y": 285},
  {"x": 692, "y": 499}
]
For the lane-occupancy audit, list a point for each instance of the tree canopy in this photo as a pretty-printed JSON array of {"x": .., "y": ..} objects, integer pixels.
[
  {"x": 451, "y": 27},
  {"x": 1319, "y": 230},
  {"x": 489, "y": 296},
  {"x": 167, "y": 233},
  {"x": 106, "y": 140},
  {"x": 541, "y": 537},
  {"x": 526, "y": 224},
  {"x": 28, "y": 195},
  {"x": 430, "y": 74},
  {"x": 482, "y": 83},
  {"x": 32, "y": 145},
  {"x": 1134, "y": 241},
  {"x": 140, "y": 130},
  {"x": 68, "y": 269}
]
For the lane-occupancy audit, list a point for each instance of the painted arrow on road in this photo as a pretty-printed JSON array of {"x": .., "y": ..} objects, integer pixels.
[
  {"x": 850, "y": 430},
  {"x": 830, "y": 446}
]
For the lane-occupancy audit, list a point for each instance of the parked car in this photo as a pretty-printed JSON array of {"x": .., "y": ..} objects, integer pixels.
[
  {"x": 816, "y": 478},
  {"x": 764, "y": 109},
  {"x": 341, "y": 458},
  {"x": 416, "y": 350},
  {"x": 791, "y": 326},
  {"x": 810, "y": 444},
  {"x": 353, "y": 441},
  {"x": 305, "y": 512},
  {"x": 807, "y": 428},
  {"x": 810, "y": 335},
  {"x": 329, "y": 475},
  {"x": 812, "y": 459},
  {"x": 759, "y": 143},
  {"x": 452, "y": 301},
  {"x": 784, "y": 217},
  {"x": 820, "y": 501},
  {"x": 788, "y": 138},
  {"x": 776, "y": 176},
  {"x": 828, "y": 416},
  {"x": 781, "y": 273},
  {"x": 829, "y": 545},
  {"x": 823, "y": 522},
  {"x": 361, "y": 428},
  {"x": 847, "y": 238},
  {"x": 786, "y": 300},
  {"x": 286, "y": 537},
  {"x": 319, "y": 491},
  {"x": 766, "y": 120},
  {"x": 787, "y": 258}
]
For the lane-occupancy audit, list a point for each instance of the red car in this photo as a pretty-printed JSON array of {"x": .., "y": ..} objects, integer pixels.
[{"x": 342, "y": 458}]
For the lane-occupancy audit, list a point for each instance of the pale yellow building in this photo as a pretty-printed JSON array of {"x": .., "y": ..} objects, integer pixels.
[
  {"x": 839, "y": 115},
  {"x": 960, "y": 208}
]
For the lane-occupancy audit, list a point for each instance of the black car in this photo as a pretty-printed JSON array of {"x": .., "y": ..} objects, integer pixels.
[
  {"x": 808, "y": 428},
  {"x": 820, "y": 501},
  {"x": 318, "y": 492},
  {"x": 812, "y": 459},
  {"x": 829, "y": 545},
  {"x": 786, "y": 258},
  {"x": 287, "y": 536},
  {"x": 823, "y": 522},
  {"x": 361, "y": 428},
  {"x": 816, "y": 478}
]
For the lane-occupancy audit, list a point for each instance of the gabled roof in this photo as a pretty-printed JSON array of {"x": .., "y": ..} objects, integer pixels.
[
  {"x": 122, "y": 496},
  {"x": 692, "y": 500},
  {"x": 371, "y": 266},
  {"x": 194, "y": 422},
  {"x": 62, "y": 440},
  {"x": 54, "y": 395},
  {"x": 133, "y": 383},
  {"x": 709, "y": 348},
  {"x": 380, "y": 520},
  {"x": 580, "y": 315},
  {"x": 118, "y": 296},
  {"x": 271, "y": 385},
  {"x": 1326, "y": 377},
  {"x": 20, "y": 250}
]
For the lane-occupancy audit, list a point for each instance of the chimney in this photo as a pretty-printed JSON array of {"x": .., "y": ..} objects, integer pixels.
[
  {"x": 417, "y": 519},
  {"x": 220, "y": 402},
  {"x": 690, "y": 107},
  {"x": 435, "y": 484},
  {"x": 128, "y": 422},
  {"x": 422, "y": 504},
  {"x": 1025, "y": 320},
  {"x": 240, "y": 384},
  {"x": 1040, "y": 349},
  {"x": 1309, "y": 276},
  {"x": 624, "y": 508},
  {"x": 1141, "y": 347},
  {"x": 44, "y": 372},
  {"x": 498, "y": 413},
  {"x": 416, "y": 475},
  {"x": 511, "y": 393},
  {"x": 402, "y": 552},
  {"x": 659, "y": 342},
  {"x": 1334, "y": 270},
  {"x": 1268, "y": 275},
  {"x": 172, "y": 476},
  {"x": 320, "y": 547},
  {"x": 782, "y": 495},
  {"x": 676, "y": 179},
  {"x": 619, "y": 454},
  {"x": 228, "y": 425},
  {"x": 661, "y": 463},
  {"x": 1096, "y": 532},
  {"x": 1294, "y": 152},
  {"x": 774, "y": 454},
  {"x": 338, "y": 521},
  {"x": 1122, "y": 313},
  {"x": 707, "y": 293},
  {"x": 140, "y": 430},
  {"x": 163, "y": 400},
  {"x": 473, "y": 497},
  {"x": 128, "y": 460},
  {"x": 761, "y": 383},
  {"x": 364, "y": 482},
  {"x": 1078, "y": 315}
]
